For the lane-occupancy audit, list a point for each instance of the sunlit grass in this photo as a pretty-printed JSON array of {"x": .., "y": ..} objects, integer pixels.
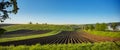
[
  {"x": 29, "y": 36},
  {"x": 38, "y": 27},
  {"x": 79, "y": 46},
  {"x": 105, "y": 33}
]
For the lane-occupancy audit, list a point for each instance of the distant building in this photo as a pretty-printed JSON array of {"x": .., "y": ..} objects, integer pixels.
[
  {"x": 109, "y": 28},
  {"x": 117, "y": 28}
]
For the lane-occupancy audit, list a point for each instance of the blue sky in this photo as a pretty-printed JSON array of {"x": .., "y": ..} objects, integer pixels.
[{"x": 66, "y": 11}]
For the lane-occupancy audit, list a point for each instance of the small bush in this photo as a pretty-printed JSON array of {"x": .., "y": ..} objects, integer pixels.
[{"x": 2, "y": 31}]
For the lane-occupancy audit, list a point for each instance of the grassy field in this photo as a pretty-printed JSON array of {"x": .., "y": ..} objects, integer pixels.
[
  {"x": 105, "y": 33},
  {"x": 39, "y": 27},
  {"x": 29, "y": 37},
  {"x": 55, "y": 30},
  {"x": 81, "y": 46}
]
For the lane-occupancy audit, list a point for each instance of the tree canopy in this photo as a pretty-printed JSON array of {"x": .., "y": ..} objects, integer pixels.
[
  {"x": 4, "y": 6},
  {"x": 113, "y": 26},
  {"x": 100, "y": 27}
]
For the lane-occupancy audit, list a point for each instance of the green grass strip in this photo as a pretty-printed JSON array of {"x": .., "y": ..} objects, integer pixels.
[
  {"x": 29, "y": 37},
  {"x": 105, "y": 33},
  {"x": 80, "y": 46},
  {"x": 38, "y": 27}
]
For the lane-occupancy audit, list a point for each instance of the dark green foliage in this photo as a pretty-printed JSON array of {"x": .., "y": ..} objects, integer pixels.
[
  {"x": 86, "y": 27},
  {"x": 113, "y": 25},
  {"x": 97, "y": 26},
  {"x": 91, "y": 27},
  {"x": 75, "y": 27},
  {"x": 30, "y": 22},
  {"x": 4, "y": 5},
  {"x": 2, "y": 31},
  {"x": 100, "y": 27},
  {"x": 103, "y": 26}
]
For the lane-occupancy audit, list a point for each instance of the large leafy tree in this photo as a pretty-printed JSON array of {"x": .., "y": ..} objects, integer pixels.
[
  {"x": 103, "y": 27},
  {"x": 97, "y": 26},
  {"x": 91, "y": 27},
  {"x": 86, "y": 27},
  {"x": 5, "y": 5},
  {"x": 114, "y": 25},
  {"x": 100, "y": 27}
]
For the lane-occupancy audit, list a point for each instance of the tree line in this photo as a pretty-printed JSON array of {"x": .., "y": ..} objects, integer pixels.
[{"x": 100, "y": 26}]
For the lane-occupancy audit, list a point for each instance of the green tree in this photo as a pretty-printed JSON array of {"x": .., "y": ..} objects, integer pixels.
[
  {"x": 103, "y": 27},
  {"x": 97, "y": 26},
  {"x": 86, "y": 27},
  {"x": 30, "y": 22},
  {"x": 4, "y": 8},
  {"x": 100, "y": 27},
  {"x": 114, "y": 25},
  {"x": 90, "y": 27}
]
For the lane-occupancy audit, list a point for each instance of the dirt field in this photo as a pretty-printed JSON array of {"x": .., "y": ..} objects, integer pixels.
[
  {"x": 96, "y": 38},
  {"x": 64, "y": 37}
]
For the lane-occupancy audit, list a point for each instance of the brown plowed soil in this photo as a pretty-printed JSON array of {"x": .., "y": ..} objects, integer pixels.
[
  {"x": 64, "y": 37},
  {"x": 97, "y": 38}
]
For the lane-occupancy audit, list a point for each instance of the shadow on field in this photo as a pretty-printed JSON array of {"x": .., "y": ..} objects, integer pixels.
[
  {"x": 64, "y": 37},
  {"x": 22, "y": 33}
]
